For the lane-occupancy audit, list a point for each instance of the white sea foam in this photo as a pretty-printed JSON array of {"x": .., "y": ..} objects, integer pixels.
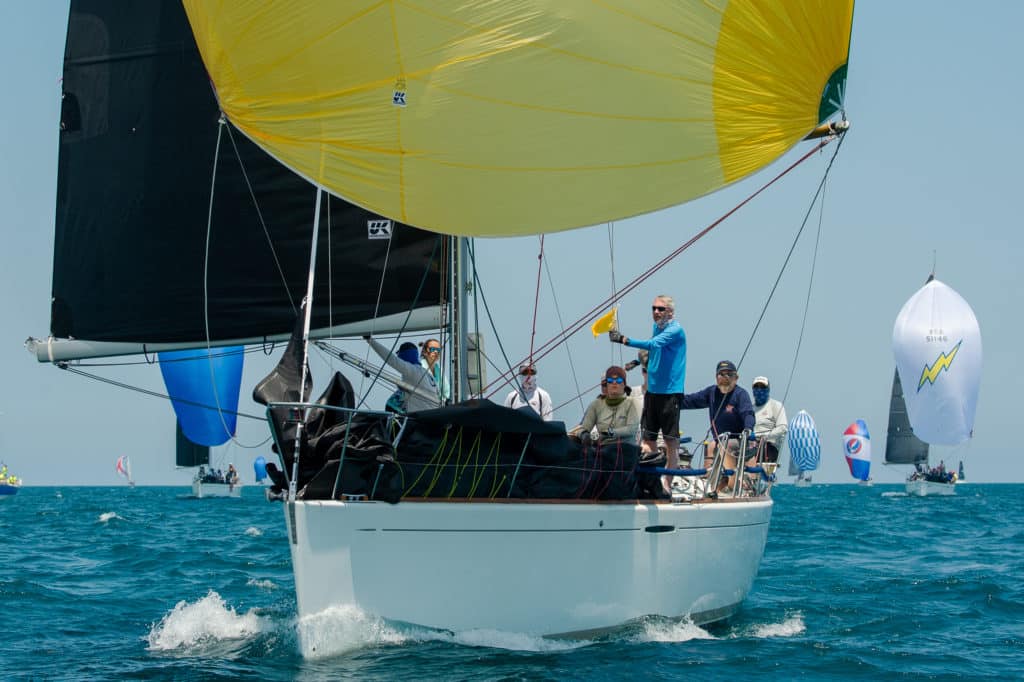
[
  {"x": 262, "y": 584},
  {"x": 204, "y": 621},
  {"x": 672, "y": 631},
  {"x": 253, "y": 532},
  {"x": 794, "y": 625},
  {"x": 891, "y": 493},
  {"x": 513, "y": 641},
  {"x": 340, "y": 629},
  {"x": 106, "y": 516}
]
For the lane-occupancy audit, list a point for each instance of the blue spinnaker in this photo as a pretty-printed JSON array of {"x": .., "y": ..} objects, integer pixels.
[{"x": 203, "y": 385}]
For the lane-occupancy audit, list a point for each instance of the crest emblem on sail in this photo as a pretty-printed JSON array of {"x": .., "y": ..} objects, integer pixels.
[
  {"x": 524, "y": 117},
  {"x": 857, "y": 446},
  {"x": 937, "y": 344},
  {"x": 804, "y": 443}
]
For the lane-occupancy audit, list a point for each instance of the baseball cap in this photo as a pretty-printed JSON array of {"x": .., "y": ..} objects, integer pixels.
[
  {"x": 760, "y": 380},
  {"x": 725, "y": 366}
]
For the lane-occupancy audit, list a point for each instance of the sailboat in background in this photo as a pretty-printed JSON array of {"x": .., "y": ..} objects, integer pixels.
[
  {"x": 804, "y": 448},
  {"x": 961, "y": 477},
  {"x": 124, "y": 468},
  {"x": 9, "y": 483},
  {"x": 595, "y": 125},
  {"x": 857, "y": 446},
  {"x": 937, "y": 343}
]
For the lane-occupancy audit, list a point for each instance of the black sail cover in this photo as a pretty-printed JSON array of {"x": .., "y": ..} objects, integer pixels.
[
  {"x": 139, "y": 128},
  {"x": 901, "y": 445}
]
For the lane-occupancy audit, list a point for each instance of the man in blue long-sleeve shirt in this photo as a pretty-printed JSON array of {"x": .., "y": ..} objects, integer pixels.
[
  {"x": 666, "y": 371},
  {"x": 729, "y": 409}
]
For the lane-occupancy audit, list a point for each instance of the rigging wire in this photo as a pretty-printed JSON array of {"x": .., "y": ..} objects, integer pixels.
[
  {"x": 259, "y": 213},
  {"x": 562, "y": 336},
  {"x": 206, "y": 282},
  {"x": 568, "y": 353},
  {"x": 490, "y": 318},
  {"x": 792, "y": 247},
  {"x": 807, "y": 302},
  {"x": 536, "y": 299}
]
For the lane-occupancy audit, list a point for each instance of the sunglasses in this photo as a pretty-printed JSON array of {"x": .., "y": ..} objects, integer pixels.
[
  {"x": 658, "y": 308},
  {"x": 433, "y": 349},
  {"x": 727, "y": 374},
  {"x": 528, "y": 372},
  {"x": 615, "y": 380}
]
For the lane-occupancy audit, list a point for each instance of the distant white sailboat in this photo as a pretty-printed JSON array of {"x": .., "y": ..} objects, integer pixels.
[
  {"x": 124, "y": 467},
  {"x": 937, "y": 344}
]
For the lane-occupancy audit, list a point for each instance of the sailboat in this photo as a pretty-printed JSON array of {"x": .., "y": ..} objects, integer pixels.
[
  {"x": 124, "y": 468},
  {"x": 937, "y": 344},
  {"x": 9, "y": 483},
  {"x": 804, "y": 448},
  {"x": 857, "y": 446},
  {"x": 503, "y": 518},
  {"x": 961, "y": 477}
]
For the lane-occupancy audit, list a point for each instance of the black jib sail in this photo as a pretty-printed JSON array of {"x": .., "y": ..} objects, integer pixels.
[
  {"x": 142, "y": 256},
  {"x": 901, "y": 445}
]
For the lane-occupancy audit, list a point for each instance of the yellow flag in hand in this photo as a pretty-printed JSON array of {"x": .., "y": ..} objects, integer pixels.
[{"x": 605, "y": 323}]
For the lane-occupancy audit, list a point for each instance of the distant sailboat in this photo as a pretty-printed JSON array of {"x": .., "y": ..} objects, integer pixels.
[
  {"x": 961, "y": 477},
  {"x": 9, "y": 484},
  {"x": 937, "y": 344},
  {"x": 857, "y": 446},
  {"x": 804, "y": 448},
  {"x": 124, "y": 467}
]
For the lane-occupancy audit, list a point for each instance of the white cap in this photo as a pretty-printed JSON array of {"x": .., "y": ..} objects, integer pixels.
[{"x": 760, "y": 380}]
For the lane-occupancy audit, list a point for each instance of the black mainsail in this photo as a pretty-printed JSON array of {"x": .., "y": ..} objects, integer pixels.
[{"x": 133, "y": 264}]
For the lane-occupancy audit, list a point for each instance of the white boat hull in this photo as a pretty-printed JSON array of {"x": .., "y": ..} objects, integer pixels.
[
  {"x": 802, "y": 483},
  {"x": 216, "y": 489},
  {"x": 923, "y": 488},
  {"x": 539, "y": 568}
]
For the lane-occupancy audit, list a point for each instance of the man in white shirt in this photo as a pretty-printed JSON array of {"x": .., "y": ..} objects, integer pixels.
[
  {"x": 530, "y": 394},
  {"x": 770, "y": 424}
]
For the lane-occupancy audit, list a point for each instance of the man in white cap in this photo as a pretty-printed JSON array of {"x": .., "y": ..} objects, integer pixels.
[
  {"x": 770, "y": 424},
  {"x": 530, "y": 394}
]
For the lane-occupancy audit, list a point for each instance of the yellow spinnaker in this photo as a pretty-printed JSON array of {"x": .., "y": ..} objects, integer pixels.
[{"x": 486, "y": 118}]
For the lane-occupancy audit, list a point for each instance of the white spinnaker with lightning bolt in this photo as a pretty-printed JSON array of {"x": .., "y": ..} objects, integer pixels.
[{"x": 937, "y": 344}]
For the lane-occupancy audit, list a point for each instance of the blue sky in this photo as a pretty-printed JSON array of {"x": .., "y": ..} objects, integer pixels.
[{"x": 931, "y": 165}]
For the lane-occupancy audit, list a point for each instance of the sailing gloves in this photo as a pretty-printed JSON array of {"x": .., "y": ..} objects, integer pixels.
[{"x": 615, "y": 336}]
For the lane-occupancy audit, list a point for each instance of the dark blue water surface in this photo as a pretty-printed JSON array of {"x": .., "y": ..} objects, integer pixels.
[{"x": 856, "y": 583}]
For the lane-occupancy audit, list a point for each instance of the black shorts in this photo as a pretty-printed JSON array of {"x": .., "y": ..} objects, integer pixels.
[
  {"x": 771, "y": 453},
  {"x": 661, "y": 413}
]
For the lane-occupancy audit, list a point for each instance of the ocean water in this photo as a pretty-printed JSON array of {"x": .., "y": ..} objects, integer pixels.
[{"x": 856, "y": 583}]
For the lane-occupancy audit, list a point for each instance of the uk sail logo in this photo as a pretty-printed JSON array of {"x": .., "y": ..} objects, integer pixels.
[
  {"x": 378, "y": 228},
  {"x": 930, "y": 374}
]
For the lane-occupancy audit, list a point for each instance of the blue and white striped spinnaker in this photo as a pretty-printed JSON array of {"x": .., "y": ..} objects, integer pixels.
[{"x": 804, "y": 444}]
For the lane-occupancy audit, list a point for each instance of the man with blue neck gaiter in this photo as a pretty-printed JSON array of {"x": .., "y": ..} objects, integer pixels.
[{"x": 770, "y": 424}]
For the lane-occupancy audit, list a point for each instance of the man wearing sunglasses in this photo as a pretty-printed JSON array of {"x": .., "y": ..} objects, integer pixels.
[
  {"x": 613, "y": 414},
  {"x": 666, "y": 371},
  {"x": 729, "y": 410},
  {"x": 530, "y": 394}
]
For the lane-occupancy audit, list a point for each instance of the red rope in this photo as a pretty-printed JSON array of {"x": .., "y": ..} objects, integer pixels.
[{"x": 504, "y": 379}]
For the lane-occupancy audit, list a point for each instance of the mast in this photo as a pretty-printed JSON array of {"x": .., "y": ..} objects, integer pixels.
[
  {"x": 460, "y": 272},
  {"x": 293, "y": 482}
]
